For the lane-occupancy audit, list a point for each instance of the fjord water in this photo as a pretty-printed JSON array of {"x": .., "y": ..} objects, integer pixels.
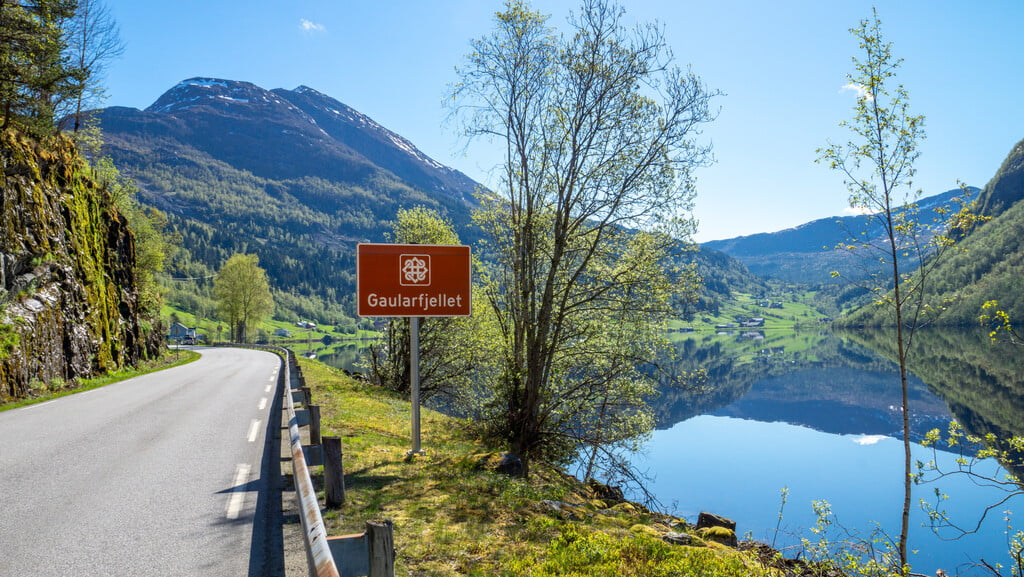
[{"x": 818, "y": 415}]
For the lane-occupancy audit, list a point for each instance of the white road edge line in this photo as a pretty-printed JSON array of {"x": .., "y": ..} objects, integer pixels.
[
  {"x": 237, "y": 498},
  {"x": 263, "y": 404},
  {"x": 254, "y": 429},
  {"x": 267, "y": 390},
  {"x": 76, "y": 395}
]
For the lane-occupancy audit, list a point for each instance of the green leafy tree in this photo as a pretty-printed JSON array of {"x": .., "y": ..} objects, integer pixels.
[
  {"x": 453, "y": 350},
  {"x": 599, "y": 135},
  {"x": 243, "y": 295},
  {"x": 878, "y": 168}
]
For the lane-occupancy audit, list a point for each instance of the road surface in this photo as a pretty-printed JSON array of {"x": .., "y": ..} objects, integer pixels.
[{"x": 156, "y": 475}]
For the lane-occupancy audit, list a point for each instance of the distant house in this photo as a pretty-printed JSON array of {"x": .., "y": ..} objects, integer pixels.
[
  {"x": 282, "y": 333},
  {"x": 179, "y": 333}
]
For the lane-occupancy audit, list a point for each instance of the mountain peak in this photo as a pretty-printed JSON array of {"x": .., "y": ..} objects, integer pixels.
[
  {"x": 303, "y": 89},
  {"x": 290, "y": 134},
  {"x": 216, "y": 92}
]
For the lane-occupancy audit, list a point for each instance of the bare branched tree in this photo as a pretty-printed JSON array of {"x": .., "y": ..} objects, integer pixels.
[{"x": 92, "y": 39}]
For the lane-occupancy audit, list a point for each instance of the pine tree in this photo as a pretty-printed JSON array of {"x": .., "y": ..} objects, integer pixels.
[{"x": 35, "y": 75}]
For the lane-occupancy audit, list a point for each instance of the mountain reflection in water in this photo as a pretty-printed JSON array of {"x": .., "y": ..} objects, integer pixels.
[{"x": 820, "y": 413}]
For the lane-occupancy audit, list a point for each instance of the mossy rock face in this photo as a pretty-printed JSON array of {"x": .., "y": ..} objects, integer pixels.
[
  {"x": 67, "y": 270},
  {"x": 626, "y": 507},
  {"x": 574, "y": 499},
  {"x": 602, "y": 520},
  {"x": 562, "y": 510},
  {"x": 677, "y": 538},
  {"x": 719, "y": 535},
  {"x": 645, "y": 530}
]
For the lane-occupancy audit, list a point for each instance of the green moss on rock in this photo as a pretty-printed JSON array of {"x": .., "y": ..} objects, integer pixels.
[{"x": 68, "y": 292}]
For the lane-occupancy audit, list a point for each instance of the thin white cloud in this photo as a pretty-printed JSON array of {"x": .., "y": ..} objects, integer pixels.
[
  {"x": 860, "y": 90},
  {"x": 310, "y": 26}
]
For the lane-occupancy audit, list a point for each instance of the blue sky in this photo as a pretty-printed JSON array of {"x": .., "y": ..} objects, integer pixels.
[{"x": 781, "y": 65}]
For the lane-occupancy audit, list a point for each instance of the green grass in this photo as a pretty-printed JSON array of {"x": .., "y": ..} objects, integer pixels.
[
  {"x": 209, "y": 326},
  {"x": 45, "y": 392},
  {"x": 453, "y": 517},
  {"x": 798, "y": 310}
]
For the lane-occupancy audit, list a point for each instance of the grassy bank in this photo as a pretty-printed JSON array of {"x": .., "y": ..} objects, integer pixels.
[
  {"x": 41, "y": 392},
  {"x": 455, "y": 516}
]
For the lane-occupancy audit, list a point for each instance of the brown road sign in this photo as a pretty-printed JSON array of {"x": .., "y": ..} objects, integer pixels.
[{"x": 413, "y": 280}]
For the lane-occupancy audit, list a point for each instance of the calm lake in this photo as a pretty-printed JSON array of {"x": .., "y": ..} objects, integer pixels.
[{"x": 817, "y": 414}]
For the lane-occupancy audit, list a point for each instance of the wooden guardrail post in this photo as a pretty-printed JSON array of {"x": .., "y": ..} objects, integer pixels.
[
  {"x": 314, "y": 424},
  {"x": 334, "y": 472},
  {"x": 307, "y": 395},
  {"x": 381, "y": 543}
]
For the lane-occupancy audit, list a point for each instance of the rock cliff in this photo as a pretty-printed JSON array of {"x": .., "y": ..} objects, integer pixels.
[{"x": 68, "y": 294}]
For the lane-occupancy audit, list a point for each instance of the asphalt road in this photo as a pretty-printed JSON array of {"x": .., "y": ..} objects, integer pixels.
[{"x": 156, "y": 475}]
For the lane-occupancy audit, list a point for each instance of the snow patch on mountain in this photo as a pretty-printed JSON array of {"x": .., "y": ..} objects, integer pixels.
[
  {"x": 321, "y": 120},
  {"x": 203, "y": 82}
]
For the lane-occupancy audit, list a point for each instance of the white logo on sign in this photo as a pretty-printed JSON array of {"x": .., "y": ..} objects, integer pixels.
[{"x": 415, "y": 270}]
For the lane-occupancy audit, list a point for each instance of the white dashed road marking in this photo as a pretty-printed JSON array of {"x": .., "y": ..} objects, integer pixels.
[
  {"x": 237, "y": 498},
  {"x": 254, "y": 429}
]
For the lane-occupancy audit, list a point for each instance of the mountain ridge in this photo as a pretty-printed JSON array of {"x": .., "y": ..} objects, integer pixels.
[
  {"x": 315, "y": 127},
  {"x": 806, "y": 253}
]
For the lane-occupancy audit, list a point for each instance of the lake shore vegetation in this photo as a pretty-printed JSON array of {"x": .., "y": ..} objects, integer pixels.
[{"x": 455, "y": 515}]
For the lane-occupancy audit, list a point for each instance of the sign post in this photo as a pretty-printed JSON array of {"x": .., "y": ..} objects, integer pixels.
[
  {"x": 414, "y": 281},
  {"x": 414, "y": 377}
]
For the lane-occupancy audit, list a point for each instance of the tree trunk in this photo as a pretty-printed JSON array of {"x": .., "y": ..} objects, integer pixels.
[{"x": 901, "y": 355}]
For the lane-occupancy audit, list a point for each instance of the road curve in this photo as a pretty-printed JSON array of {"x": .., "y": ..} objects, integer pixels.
[{"x": 158, "y": 474}]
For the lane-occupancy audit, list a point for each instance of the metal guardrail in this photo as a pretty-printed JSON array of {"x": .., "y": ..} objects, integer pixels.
[
  {"x": 318, "y": 552},
  {"x": 369, "y": 554}
]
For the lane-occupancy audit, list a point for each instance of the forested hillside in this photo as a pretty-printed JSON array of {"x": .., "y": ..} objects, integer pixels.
[
  {"x": 294, "y": 177},
  {"x": 987, "y": 264},
  {"x": 298, "y": 179},
  {"x": 721, "y": 277}
]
